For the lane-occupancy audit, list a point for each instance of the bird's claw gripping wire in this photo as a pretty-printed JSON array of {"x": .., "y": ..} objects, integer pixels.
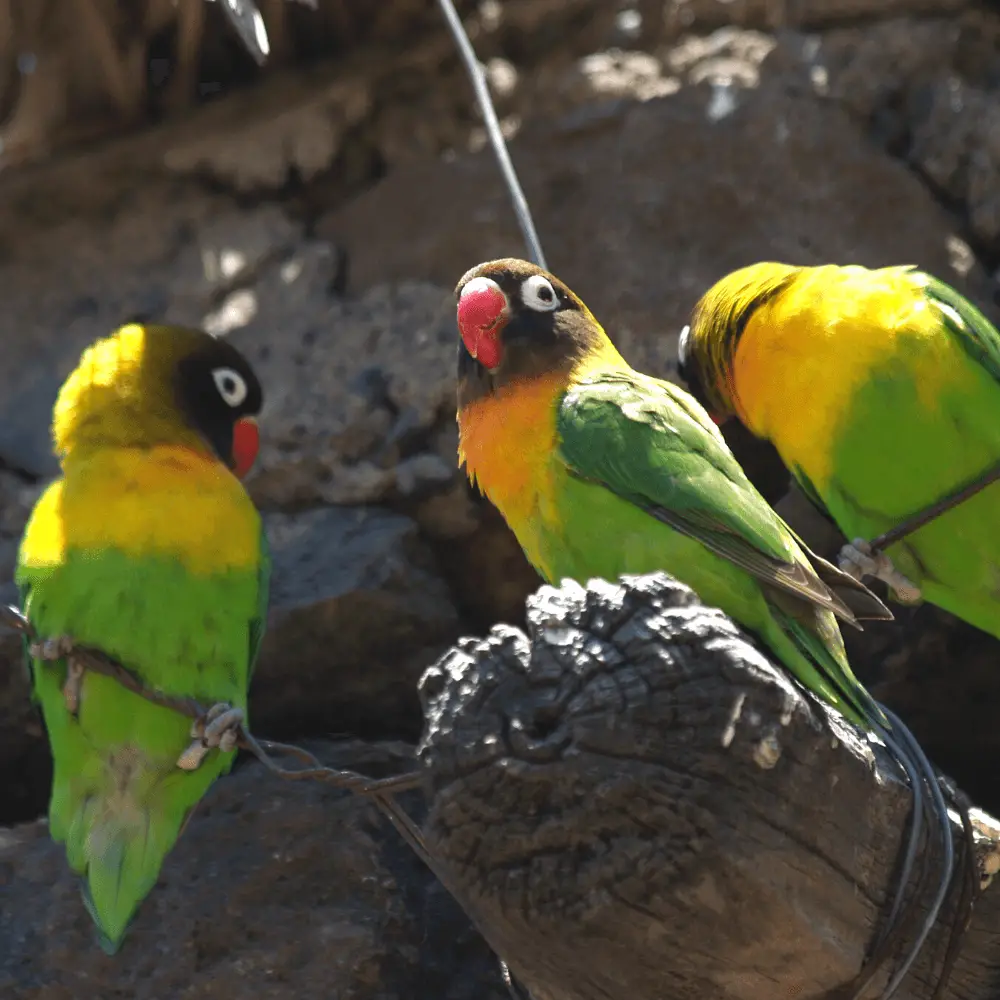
[
  {"x": 858, "y": 560},
  {"x": 53, "y": 650},
  {"x": 220, "y": 728},
  {"x": 73, "y": 686}
]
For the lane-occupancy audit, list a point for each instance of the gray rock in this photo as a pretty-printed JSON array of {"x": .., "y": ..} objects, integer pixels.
[
  {"x": 357, "y": 612},
  {"x": 930, "y": 91},
  {"x": 25, "y": 764},
  {"x": 356, "y": 388},
  {"x": 641, "y": 208},
  {"x": 703, "y": 15},
  {"x": 276, "y": 890},
  {"x": 24, "y": 758},
  {"x": 250, "y": 148}
]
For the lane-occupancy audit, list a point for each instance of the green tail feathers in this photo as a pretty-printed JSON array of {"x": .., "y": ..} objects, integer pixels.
[
  {"x": 119, "y": 820},
  {"x": 119, "y": 874},
  {"x": 820, "y": 669}
]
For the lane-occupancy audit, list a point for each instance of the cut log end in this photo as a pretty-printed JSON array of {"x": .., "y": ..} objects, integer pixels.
[{"x": 633, "y": 802}]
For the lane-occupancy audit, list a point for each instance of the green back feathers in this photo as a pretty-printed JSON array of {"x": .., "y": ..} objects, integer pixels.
[{"x": 650, "y": 443}]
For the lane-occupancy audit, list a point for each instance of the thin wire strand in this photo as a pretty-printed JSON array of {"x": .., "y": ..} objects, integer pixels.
[
  {"x": 920, "y": 772},
  {"x": 514, "y": 988},
  {"x": 947, "y": 848},
  {"x": 935, "y": 510},
  {"x": 378, "y": 789},
  {"x": 967, "y": 900},
  {"x": 894, "y": 924},
  {"x": 919, "y": 809},
  {"x": 494, "y": 132}
]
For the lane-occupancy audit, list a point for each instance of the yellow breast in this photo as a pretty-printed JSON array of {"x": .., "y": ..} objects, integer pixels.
[
  {"x": 804, "y": 354},
  {"x": 507, "y": 442},
  {"x": 164, "y": 501}
]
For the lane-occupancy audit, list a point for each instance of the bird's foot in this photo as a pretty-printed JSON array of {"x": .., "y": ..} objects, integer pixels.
[
  {"x": 857, "y": 560},
  {"x": 218, "y": 729},
  {"x": 52, "y": 651},
  {"x": 73, "y": 686}
]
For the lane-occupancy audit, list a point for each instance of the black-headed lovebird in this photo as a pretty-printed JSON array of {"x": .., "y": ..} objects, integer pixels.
[
  {"x": 149, "y": 549},
  {"x": 600, "y": 470},
  {"x": 880, "y": 390}
]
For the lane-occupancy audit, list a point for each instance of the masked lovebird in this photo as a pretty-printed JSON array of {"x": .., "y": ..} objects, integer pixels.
[
  {"x": 600, "y": 470},
  {"x": 148, "y": 549},
  {"x": 880, "y": 390}
]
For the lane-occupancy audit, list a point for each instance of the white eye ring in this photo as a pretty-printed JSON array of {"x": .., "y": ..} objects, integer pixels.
[
  {"x": 537, "y": 293},
  {"x": 231, "y": 385},
  {"x": 682, "y": 345}
]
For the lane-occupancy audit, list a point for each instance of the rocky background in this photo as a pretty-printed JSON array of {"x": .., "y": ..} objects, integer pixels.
[{"x": 319, "y": 212}]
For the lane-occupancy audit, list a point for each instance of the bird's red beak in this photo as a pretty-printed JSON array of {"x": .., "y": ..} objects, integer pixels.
[
  {"x": 246, "y": 444},
  {"x": 482, "y": 311}
]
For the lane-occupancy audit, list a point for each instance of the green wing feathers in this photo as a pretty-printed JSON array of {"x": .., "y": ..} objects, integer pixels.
[
  {"x": 974, "y": 331},
  {"x": 118, "y": 800},
  {"x": 651, "y": 444},
  {"x": 862, "y": 603}
]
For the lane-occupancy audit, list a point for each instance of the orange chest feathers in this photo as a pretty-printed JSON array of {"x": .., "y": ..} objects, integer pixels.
[{"x": 507, "y": 442}]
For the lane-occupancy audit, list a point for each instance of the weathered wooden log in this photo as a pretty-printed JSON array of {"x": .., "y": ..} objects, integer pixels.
[{"x": 632, "y": 802}]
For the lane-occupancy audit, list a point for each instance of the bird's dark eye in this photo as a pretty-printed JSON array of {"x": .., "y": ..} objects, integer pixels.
[
  {"x": 537, "y": 293},
  {"x": 231, "y": 385}
]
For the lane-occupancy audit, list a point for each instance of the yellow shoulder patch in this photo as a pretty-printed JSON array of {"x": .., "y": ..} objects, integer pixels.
[{"x": 166, "y": 501}]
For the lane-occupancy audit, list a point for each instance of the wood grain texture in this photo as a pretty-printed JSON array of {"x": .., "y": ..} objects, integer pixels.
[{"x": 632, "y": 802}]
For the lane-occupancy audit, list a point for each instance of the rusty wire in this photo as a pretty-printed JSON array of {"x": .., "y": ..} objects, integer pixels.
[{"x": 381, "y": 791}]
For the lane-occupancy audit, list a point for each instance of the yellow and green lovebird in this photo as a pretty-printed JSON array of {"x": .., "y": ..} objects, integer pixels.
[
  {"x": 600, "y": 470},
  {"x": 148, "y": 549},
  {"x": 880, "y": 390}
]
